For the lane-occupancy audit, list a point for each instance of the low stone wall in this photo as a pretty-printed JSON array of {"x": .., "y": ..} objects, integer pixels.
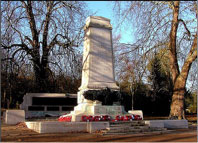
[
  {"x": 155, "y": 123},
  {"x": 64, "y": 127},
  {"x": 94, "y": 126},
  {"x": 91, "y": 127},
  {"x": 176, "y": 124},
  {"x": 40, "y": 104},
  {"x": 170, "y": 124},
  {"x": 12, "y": 117}
]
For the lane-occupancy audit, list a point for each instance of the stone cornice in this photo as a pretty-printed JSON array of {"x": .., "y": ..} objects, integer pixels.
[{"x": 97, "y": 22}]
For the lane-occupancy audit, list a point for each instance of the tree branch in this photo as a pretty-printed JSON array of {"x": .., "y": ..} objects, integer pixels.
[
  {"x": 32, "y": 23},
  {"x": 172, "y": 45},
  {"x": 188, "y": 32},
  {"x": 187, "y": 64},
  {"x": 23, "y": 47},
  {"x": 31, "y": 42},
  {"x": 46, "y": 26}
]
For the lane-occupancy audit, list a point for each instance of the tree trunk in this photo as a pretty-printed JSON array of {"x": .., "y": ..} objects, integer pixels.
[
  {"x": 41, "y": 77},
  {"x": 179, "y": 78},
  {"x": 177, "y": 105},
  {"x": 172, "y": 44}
]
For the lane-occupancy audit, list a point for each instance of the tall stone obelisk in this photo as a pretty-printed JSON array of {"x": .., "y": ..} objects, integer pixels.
[
  {"x": 98, "y": 68},
  {"x": 98, "y": 63}
]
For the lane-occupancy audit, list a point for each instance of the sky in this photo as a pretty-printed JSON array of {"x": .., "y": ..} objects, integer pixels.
[{"x": 105, "y": 9}]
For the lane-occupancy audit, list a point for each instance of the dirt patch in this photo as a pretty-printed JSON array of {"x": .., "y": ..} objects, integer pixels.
[{"x": 20, "y": 133}]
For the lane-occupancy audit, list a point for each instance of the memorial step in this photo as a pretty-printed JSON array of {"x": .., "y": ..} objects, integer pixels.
[
  {"x": 128, "y": 133},
  {"x": 158, "y": 129},
  {"x": 127, "y": 123},
  {"x": 130, "y": 127},
  {"x": 127, "y": 128},
  {"x": 135, "y": 131}
]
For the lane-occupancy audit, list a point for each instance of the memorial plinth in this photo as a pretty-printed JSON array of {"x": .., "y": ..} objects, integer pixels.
[
  {"x": 98, "y": 68},
  {"x": 98, "y": 71}
]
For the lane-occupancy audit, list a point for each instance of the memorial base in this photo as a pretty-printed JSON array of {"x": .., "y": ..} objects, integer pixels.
[{"x": 95, "y": 109}]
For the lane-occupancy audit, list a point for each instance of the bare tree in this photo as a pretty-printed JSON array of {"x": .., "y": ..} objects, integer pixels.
[
  {"x": 43, "y": 30},
  {"x": 170, "y": 25}
]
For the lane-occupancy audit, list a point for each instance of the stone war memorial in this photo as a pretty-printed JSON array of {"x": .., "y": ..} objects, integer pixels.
[
  {"x": 89, "y": 113},
  {"x": 98, "y": 69}
]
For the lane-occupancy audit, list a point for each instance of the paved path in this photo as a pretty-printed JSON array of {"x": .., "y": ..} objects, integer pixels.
[{"x": 21, "y": 133}]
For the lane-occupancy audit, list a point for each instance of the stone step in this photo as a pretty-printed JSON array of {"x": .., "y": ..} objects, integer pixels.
[
  {"x": 127, "y": 127},
  {"x": 114, "y": 133},
  {"x": 129, "y": 124},
  {"x": 136, "y": 131},
  {"x": 128, "y": 130},
  {"x": 140, "y": 127},
  {"x": 126, "y": 122},
  {"x": 158, "y": 129},
  {"x": 145, "y": 132}
]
